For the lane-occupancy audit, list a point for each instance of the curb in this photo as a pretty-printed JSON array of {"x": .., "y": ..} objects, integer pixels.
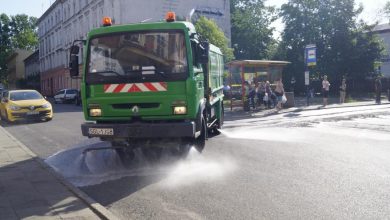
[
  {"x": 98, "y": 209},
  {"x": 300, "y": 109}
]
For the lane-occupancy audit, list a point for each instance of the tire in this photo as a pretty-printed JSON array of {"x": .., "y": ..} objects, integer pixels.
[
  {"x": 6, "y": 117},
  {"x": 200, "y": 142}
]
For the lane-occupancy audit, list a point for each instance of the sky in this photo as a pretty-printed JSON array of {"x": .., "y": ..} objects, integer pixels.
[{"x": 12, "y": 7}]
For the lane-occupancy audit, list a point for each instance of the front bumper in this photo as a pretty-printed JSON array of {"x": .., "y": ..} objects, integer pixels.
[
  {"x": 40, "y": 114},
  {"x": 139, "y": 130}
]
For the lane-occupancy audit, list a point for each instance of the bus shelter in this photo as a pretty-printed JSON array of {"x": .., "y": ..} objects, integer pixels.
[{"x": 251, "y": 72}]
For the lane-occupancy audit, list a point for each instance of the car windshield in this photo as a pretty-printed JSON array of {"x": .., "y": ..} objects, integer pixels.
[
  {"x": 24, "y": 95},
  {"x": 137, "y": 56}
]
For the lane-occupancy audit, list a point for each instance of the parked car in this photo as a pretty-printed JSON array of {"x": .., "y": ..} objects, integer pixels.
[
  {"x": 24, "y": 104},
  {"x": 65, "y": 96}
]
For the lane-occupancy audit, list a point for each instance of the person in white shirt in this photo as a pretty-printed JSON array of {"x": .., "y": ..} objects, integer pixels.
[{"x": 325, "y": 90}]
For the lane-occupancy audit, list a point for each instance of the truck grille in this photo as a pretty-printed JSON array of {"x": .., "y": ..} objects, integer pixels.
[{"x": 28, "y": 107}]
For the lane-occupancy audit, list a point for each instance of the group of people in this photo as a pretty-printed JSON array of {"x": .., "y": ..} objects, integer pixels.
[
  {"x": 326, "y": 87},
  {"x": 262, "y": 93}
]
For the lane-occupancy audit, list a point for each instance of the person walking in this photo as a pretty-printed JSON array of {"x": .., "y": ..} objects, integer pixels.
[
  {"x": 325, "y": 90},
  {"x": 343, "y": 91},
  {"x": 279, "y": 92},
  {"x": 378, "y": 90},
  {"x": 268, "y": 94}
]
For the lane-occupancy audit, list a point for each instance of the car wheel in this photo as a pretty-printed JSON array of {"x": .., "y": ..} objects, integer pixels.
[{"x": 6, "y": 119}]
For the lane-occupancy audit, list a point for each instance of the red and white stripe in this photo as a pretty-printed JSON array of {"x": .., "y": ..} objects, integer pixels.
[{"x": 136, "y": 87}]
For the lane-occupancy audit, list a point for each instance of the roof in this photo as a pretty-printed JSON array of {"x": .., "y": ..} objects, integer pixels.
[
  {"x": 259, "y": 62},
  {"x": 382, "y": 28},
  {"x": 32, "y": 56},
  {"x": 52, "y": 6}
]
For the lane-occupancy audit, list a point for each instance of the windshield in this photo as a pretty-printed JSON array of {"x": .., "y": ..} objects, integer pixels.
[
  {"x": 25, "y": 95},
  {"x": 137, "y": 56}
]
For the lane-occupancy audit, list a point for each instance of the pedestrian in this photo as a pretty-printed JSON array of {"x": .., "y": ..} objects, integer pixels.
[
  {"x": 260, "y": 92},
  {"x": 252, "y": 94},
  {"x": 343, "y": 91},
  {"x": 378, "y": 90},
  {"x": 268, "y": 94},
  {"x": 325, "y": 90},
  {"x": 279, "y": 92}
]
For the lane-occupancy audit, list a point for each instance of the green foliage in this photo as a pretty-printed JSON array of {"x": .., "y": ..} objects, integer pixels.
[
  {"x": 17, "y": 31},
  {"x": 344, "y": 47},
  {"x": 251, "y": 32},
  {"x": 386, "y": 10},
  {"x": 209, "y": 29}
]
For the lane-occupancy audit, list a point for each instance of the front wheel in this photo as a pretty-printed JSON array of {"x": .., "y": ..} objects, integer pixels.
[{"x": 200, "y": 142}]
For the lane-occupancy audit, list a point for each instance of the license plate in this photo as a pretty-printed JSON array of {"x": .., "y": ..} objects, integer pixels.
[
  {"x": 32, "y": 113},
  {"x": 101, "y": 131}
]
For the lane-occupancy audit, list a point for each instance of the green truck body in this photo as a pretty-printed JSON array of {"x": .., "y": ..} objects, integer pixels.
[{"x": 150, "y": 80}]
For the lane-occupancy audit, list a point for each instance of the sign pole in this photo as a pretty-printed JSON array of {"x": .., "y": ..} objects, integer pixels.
[{"x": 310, "y": 60}]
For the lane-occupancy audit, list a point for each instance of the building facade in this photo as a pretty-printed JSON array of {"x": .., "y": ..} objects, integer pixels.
[
  {"x": 15, "y": 65},
  {"x": 69, "y": 20},
  {"x": 32, "y": 71},
  {"x": 384, "y": 33}
]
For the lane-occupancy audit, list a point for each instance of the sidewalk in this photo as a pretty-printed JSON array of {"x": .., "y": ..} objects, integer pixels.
[
  {"x": 239, "y": 113},
  {"x": 29, "y": 189}
]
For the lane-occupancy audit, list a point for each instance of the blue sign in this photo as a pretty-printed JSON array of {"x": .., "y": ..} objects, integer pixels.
[{"x": 311, "y": 55}]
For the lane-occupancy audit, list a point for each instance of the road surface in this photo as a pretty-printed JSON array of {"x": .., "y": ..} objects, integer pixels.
[{"x": 328, "y": 163}]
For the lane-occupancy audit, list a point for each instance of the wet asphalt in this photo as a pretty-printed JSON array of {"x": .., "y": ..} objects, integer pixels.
[{"x": 328, "y": 164}]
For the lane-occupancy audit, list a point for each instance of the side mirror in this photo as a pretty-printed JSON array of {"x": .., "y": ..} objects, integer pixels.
[
  {"x": 203, "y": 52},
  {"x": 5, "y": 100},
  {"x": 74, "y": 65},
  {"x": 74, "y": 49},
  {"x": 74, "y": 61}
]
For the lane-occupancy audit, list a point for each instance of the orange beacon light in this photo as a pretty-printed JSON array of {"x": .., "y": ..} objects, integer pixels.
[
  {"x": 107, "y": 21},
  {"x": 170, "y": 16}
]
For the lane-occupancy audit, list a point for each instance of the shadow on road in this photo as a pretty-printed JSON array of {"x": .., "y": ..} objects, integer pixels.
[
  {"x": 20, "y": 123},
  {"x": 29, "y": 190}
]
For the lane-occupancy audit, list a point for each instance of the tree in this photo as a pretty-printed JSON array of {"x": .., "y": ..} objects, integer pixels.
[
  {"x": 252, "y": 37},
  {"x": 209, "y": 29},
  {"x": 341, "y": 42},
  {"x": 386, "y": 10},
  {"x": 16, "y": 32}
]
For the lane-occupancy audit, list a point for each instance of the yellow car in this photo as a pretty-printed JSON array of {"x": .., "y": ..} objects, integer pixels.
[{"x": 24, "y": 104}]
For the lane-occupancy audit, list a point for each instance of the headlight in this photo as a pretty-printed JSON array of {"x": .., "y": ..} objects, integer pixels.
[
  {"x": 47, "y": 105},
  {"x": 179, "y": 110},
  {"x": 14, "y": 108},
  {"x": 95, "y": 112}
]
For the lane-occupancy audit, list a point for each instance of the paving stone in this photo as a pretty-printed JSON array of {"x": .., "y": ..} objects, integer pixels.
[
  {"x": 37, "y": 211},
  {"x": 18, "y": 154},
  {"x": 84, "y": 214},
  {"x": 42, "y": 218}
]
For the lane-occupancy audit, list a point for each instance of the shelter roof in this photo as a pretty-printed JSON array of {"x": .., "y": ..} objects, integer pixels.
[{"x": 258, "y": 63}]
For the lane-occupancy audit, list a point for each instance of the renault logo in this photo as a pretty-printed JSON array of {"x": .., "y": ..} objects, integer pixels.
[
  {"x": 31, "y": 108},
  {"x": 135, "y": 109}
]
